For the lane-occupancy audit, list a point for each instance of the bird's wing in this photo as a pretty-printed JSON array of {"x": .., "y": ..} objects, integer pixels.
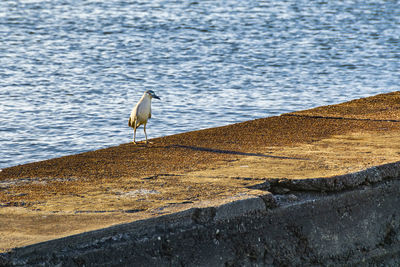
[
  {"x": 150, "y": 113},
  {"x": 133, "y": 118}
]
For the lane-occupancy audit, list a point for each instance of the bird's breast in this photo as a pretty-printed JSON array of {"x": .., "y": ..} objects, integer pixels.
[{"x": 143, "y": 111}]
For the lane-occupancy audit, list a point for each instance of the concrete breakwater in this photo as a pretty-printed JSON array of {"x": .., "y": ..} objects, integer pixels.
[
  {"x": 356, "y": 227},
  {"x": 314, "y": 187}
]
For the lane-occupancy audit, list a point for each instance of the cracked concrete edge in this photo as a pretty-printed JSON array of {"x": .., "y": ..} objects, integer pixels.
[
  {"x": 142, "y": 229},
  {"x": 294, "y": 219},
  {"x": 240, "y": 207},
  {"x": 341, "y": 182}
]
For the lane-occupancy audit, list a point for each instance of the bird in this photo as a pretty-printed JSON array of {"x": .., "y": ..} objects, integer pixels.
[{"x": 141, "y": 113}]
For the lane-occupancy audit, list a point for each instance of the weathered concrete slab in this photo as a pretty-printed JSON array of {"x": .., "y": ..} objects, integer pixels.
[
  {"x": 332, "y": 148},
  {"x": 351, "y": 228}
]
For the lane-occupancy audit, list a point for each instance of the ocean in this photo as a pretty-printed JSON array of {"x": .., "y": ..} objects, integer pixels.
[{"x": 71, "y": 71}]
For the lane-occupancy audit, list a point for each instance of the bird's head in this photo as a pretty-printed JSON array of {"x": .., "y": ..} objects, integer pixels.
[{"x": 152, "y": 94}]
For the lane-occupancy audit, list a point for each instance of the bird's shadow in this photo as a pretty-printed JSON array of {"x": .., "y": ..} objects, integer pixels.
[{"x": 232, "y": 152}]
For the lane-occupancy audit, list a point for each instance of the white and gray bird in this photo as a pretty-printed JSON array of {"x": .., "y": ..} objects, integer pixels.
[{"x": 141, "y": 113}]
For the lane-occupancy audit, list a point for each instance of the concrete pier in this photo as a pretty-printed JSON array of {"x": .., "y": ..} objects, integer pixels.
[{"x": 315, "y": 187}]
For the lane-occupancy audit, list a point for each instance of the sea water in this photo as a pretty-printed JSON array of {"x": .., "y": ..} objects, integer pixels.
[{"x": 71, "y": 70}]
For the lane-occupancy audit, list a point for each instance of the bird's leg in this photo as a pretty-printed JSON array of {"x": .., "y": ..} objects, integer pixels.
[
  {"x": 134, "y": 133},
  {"x": 144, "y": 127}
]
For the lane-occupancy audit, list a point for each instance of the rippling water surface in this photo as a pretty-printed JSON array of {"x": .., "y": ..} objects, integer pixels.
[{"x": 70, "y": 70}]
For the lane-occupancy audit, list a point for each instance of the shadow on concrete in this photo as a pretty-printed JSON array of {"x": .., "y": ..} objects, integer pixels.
[{"x": 205, "y": 149}]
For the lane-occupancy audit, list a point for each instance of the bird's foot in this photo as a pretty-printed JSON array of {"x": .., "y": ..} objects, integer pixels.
[{"x": 141, "y": 142}]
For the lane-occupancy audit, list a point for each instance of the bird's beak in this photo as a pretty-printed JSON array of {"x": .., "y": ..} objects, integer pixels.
[{"x": 156, "y": 97}]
